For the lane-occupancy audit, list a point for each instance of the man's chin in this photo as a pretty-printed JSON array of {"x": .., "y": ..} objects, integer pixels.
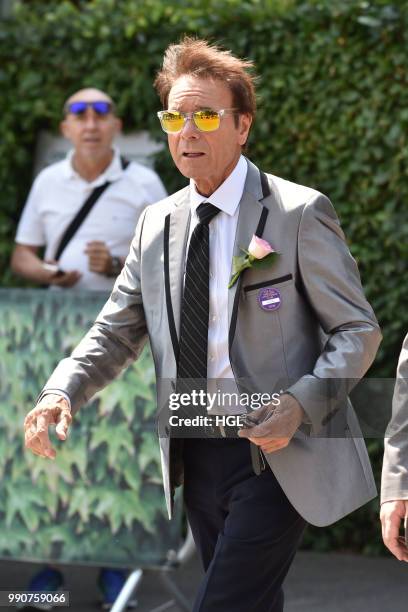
[
  {"x": 193, "y": 169},
  {"x": 95, "y": 151}
]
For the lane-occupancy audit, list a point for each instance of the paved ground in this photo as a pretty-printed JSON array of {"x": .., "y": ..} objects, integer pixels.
[{"x": 316, "y": 583}]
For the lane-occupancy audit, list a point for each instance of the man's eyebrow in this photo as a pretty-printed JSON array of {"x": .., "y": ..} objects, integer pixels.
[{"x": 199, "y": 108}]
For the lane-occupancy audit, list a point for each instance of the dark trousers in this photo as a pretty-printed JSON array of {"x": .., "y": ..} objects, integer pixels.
[{"x": 245, "y": 529}]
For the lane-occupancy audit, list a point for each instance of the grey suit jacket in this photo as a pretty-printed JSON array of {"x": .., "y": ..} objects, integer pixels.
[
  {"x": 394, "y": 481},
  {"x": 324, "y": 332}
]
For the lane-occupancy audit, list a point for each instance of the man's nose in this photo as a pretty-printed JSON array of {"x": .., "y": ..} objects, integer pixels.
[
  {"x": 189, "y": 129},
  {"x": 90, "y": 118}
]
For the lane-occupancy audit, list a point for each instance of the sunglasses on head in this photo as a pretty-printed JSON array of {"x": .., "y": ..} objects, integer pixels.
[
  {"x": 206, "y": 120},
  {"x": 101, "y": 107}
]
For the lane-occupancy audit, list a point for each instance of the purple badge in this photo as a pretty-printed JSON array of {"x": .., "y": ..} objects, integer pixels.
[{"x": 269, "y": 298}]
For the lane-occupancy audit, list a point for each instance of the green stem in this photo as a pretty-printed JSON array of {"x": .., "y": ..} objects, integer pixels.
[
  {"x": 235, "y": 276},
  {"x": 234, "y": 279}
]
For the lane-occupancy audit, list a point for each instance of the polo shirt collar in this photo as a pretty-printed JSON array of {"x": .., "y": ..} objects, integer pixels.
[{"x": 112, "y": 173}]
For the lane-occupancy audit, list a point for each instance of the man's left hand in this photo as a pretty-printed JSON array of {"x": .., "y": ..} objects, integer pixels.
[
  {"x": 100, "y": 258},
  {"x": 275, "y": 425},
  {"x": 392, "y": 515}
]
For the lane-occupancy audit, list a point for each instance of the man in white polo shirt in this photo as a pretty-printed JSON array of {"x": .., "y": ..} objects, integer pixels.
[{"x": 95, "y": 253}]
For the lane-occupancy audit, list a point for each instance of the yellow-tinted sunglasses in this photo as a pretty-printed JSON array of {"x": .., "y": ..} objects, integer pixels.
[{"x": 206, "y": 120}]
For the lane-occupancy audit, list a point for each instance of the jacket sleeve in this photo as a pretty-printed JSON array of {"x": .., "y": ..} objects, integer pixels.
[
  {"x": 331, "y": 282},
  {"x": 394, "y": 482},
  {"x": 115, "y": 340}
]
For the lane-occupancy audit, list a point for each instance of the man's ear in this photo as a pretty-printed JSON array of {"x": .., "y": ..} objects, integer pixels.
[
  {"x": 63, "y": 126},
  {"x": 245, "y": 122},
  {"x": 118, "y": 125}
]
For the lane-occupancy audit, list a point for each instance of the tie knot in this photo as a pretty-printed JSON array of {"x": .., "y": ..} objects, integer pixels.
[{"x": 206, "y": 212}]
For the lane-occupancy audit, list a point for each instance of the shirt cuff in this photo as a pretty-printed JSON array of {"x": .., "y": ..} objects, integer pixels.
[{"x": 55, "y": 392}]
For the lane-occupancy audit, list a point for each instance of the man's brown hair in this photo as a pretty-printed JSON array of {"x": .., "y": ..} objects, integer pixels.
[{"x": 200, "y": 59}]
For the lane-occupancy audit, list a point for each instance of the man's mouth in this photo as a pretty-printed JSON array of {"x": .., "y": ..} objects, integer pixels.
[{"x": 192, "y": 155}]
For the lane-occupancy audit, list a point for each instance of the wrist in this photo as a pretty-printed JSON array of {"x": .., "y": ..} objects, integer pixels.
[
  {"x": 301, "y": 411},
  {"x": 115, "y": 268},
  {"x": 49, "y": 272}
]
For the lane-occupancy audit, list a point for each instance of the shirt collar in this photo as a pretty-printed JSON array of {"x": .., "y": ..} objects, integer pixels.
[
  {"x": 112, "y": 173},
  {"x": 229, "y": 193}
]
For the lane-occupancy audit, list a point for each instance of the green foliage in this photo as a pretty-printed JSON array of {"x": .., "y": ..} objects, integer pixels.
[
  {"x": 101, "y": 500},
  {"x": 332, "y": 114},
  {"x": 332, "y": 105}
]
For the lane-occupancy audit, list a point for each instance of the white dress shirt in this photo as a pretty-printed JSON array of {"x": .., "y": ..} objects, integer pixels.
[{"x": 222, "y": 237}]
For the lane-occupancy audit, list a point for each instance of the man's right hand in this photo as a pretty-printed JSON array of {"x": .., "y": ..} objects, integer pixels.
[
  {"x": 391, "y": 515},
  {"x": 51, "y": 410},
  {"x": 60, "y": 278},
  {"x": 66, "y": 279}
]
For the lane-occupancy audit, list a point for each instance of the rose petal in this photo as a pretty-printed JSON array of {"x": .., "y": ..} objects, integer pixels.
[{"x": 259, "y": 248}]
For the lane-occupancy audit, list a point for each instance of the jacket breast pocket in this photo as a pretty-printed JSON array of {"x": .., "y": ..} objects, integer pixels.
[
  {"x": 280, "y": 280},
  {"x": 260, "y": 339}
]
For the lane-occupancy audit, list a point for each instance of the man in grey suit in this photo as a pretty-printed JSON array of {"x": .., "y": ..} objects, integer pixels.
[
  {"x": 296, "y": 320},
  {"x": 394, "y": 481}
]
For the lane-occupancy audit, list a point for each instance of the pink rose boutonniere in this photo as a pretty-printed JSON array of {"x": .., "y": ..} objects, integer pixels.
[{"x": 260, "y": 254}]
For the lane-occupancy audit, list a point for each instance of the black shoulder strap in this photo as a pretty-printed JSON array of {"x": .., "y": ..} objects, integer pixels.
[
  {"x": 83, "y": 212},
  {"x": 266, "y": 190},
  {"x": 124, "y": 162}
]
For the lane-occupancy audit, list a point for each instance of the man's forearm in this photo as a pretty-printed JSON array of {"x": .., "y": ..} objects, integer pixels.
[
  {"x": 27, "y": 264},
  {"x": 325, "y": 390}
]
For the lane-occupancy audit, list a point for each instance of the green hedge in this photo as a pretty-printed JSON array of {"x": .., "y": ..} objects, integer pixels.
[
  {"x": 333, "y": 114},
  {"x": 101, "y": 500}
]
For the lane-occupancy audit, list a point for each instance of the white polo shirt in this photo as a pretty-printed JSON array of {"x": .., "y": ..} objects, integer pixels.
[{"x": 58, "y": 193}]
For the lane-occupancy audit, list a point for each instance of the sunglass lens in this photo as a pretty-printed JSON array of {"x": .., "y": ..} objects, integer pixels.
[
  {"x": 101, "y": 108},
  {"x": 172, "y": 122},
  {"x": 207, "y": 120},
  {"x": 77, "y": 108}
]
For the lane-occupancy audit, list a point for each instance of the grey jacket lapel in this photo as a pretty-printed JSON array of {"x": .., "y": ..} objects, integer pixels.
[
  {"x": 175, "y": 241},
  {"x": 251, "y": 220}
]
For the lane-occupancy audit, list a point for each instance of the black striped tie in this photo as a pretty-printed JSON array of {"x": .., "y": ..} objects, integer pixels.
[{"x": 192, "y": 362}]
